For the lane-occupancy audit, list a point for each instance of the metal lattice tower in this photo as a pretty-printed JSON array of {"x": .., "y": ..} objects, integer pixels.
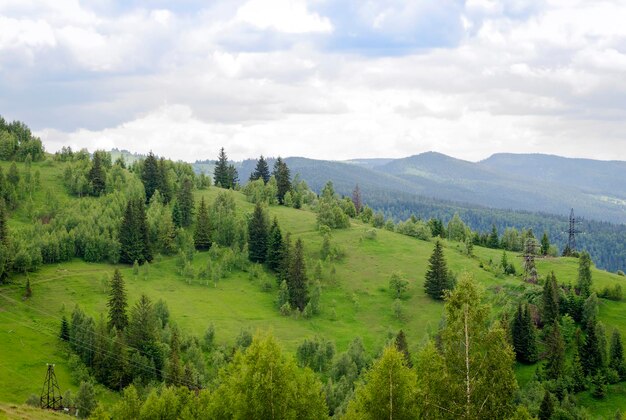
[
  {"x": 51, "y": 398},
  {"x": 571, "y": 232}
]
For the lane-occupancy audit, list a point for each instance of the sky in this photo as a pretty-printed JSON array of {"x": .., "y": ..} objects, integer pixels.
[{"x": 327, "y": 79}]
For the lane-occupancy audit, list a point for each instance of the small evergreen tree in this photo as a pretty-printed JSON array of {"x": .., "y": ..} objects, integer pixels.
[
  {"x": 65, "y": 329},
  {"x": 283, "y": 179},
  {"x": 524, "y": 336},
  {"x": 590, "y": 352},
  {"x": 274, "y": 247},
  {"x": 257, "y": 235},
  {"x": 550, "y": 300},
  {"x": 133, "y": 237},
  {"x": 584, "y": 274},
  {"x": 555, "y": 364},
  {"x": 297, "y": 281},
  {"x": 546, "y": 409},
  {"x": 117, "y": 303},
  {"x": 186, "y": 203},
  {"x": 97, "y": 175},
  {"x": 261, "y": 171},
  {"x": 403, "y": 347},
  {"x": 202, "y": 232},
  {"x": 220, "y": 173},
  {"x": 150, "y": 175},
  {"x": 616, "y": 353},
  {"x": 437, "y": 276},
  {"x": 174, "y": 372},
  {"x": 493, "y": 240}
]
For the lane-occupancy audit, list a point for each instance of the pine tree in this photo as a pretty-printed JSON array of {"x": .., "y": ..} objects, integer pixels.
[
  {"x": 403, "y": 347},
  {"x": 357, "y": 201},
  {"x": 257, "y": 235},
  {"x": 117, "y": 303},
  {"x": 177, "y": 218},
  {"x": 174, "y": 368},
  {"x": 163, "y": 184},
  {"x": 4, "y": 227},
  {"x": 262, "y": 171},
  {"x": 550, "y": 300},
  {"x": 590, "y": 353},
  {"x": 202, "y": 232},
  {"x": 118, "y": 368},
  {"x": 524, "y": 336},
  {"x": 555, "y": 364},
  {"x": 283, "y": 179},
  {"x": 546, "y": 409},
  {"x": 96, "y": 175},
  {"x": 274, "y": 247},
  {"x": 150, "y": 176},
  {"x": 134, "y": 239},
  {"x": 297, "y": 281},
  {"x": 584, "y": 274},
  {"x": 616, "y": 353},
  {"x": 283, "y": 272},
  {"x": 545, "y": 244},
  {"x": 437, "y": 276},
  {"x": 577, "y": 373},
  {"x": 220, "y": 173},
  {"x": 141, "y": 330},
  {"x": 65, "y": 329},
  {"x": 233, "y": 176},
  {"x": 493, "y": 241},
  {"x": 186, "y": 203}
]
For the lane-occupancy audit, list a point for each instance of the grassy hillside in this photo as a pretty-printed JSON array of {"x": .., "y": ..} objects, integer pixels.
[{"x": 355, "y": 302}]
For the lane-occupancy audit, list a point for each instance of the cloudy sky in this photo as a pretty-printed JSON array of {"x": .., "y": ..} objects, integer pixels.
[{"x": 331, "y": 79}]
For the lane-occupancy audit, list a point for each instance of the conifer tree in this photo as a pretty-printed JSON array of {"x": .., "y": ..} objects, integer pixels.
[
  {"x": 493, "y": 240},
  {"x": 117, "y": 303},
  {"x": 283, "y": 179},
  {"x": 524, "y": 336},
  {"x": 150, "y": 176},
  {"x": 233, "y": 176},
  {"x": 4, "y": 227},
  {"x": 174, "y": 369},
  {"x": 202, "y": 232},
  {"x": 274, "y": 247},
  {"x": 220, "y": 173},
  {"x": 134, "y": 239},
  {"x": 96, "y": 175},
  {"x": 176, "y": 215},
  {"x": 584, "y": 274},
  {"x": 283, "y": 272},
  {"x": 118, "y": 368},
  {"x": 65, "y": 329},
  {"x": 261, "y": 171},
  {"x": 297, "y": 281},
  {"x": 357, "y": 201},
  {"x": 403, "y": 347},
  {"x": 186, "y": 203},
  {"x": 141, "y": 331},
  {"x": 590, "y": 353},
  {"x": 550, "y": 300},
  {"x": 555, "y": 364},
  {"x": 616, "y": 353},
  {"x": 545, "y": 244},
  {"x": 577, "y": 373},
  {"x": 163, "y": 184},
  {"x": 437, "y": 276},
  {"x": 546, "y": 409},
  {"x": 257, "y": 235}
]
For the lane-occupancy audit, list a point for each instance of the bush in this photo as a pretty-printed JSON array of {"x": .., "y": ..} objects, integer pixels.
[
  {"x": 614, "y": 293},
  {"x": 370, "y": 234}
]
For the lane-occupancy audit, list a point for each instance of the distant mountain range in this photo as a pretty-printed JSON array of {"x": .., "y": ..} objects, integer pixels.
[{"x": 528, "y": 182}]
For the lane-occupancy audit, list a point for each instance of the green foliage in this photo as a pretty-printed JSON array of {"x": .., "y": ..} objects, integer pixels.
[
  {"x": 437, "y": 277},
  {"x": 262, "y": 383},
  {"x": 274, "y": 247},
  {"x": 97, "y": 175},
  {"x": 398, "y": 284},
  {"x": 117, "y": 303},
  {"x": 550, "y": 300},
  {"x": 584, "y": 274},
  {"x": 547, "y": 407},
  {"x": 258, "y": 235},
  {"x": 555, "y": 348},
  {"x": 224, "y": 175},
  {"x": 456, "y": 229},
  {"x": 134, "y": 239},
  {"x": 389, "y": 390},
  {"x": 613, "y": 293},
  {"x": 403, "y": 347},
  {"x": 590, "y": 350},
  {"x": 283, "y": 179},
  {"x": 202, "y": 232},
  {"x": 85, "y": 400},
  {"x": 524, "y": 336},
  {"x": 316, "y": 354},
  {"x": 185, "y": 203},
  {"x": 297, "y": 279},
  {"x": 261, "y": 171}
]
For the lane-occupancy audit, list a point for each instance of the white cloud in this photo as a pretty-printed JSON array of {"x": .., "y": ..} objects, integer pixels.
[{"x": 290, "y": 16}]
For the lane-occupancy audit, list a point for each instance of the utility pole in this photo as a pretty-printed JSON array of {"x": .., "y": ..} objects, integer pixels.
[
  {"x": 571, "y": 235},
  {"x": 51, "y": 398}
]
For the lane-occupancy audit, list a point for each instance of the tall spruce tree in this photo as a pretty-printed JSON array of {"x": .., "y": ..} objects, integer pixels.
[
  {"x": 97, "y": 176},
  {"x": 257, "y": 235},
  {"x": 283, "y": 179},
  {"x": 403, "y": 347},
  {"x": 174, "y": 373},
  {"x": 186, "y": 203},
  {"x": 261, "y": 171},
  {"x": 274, "y": 247},
  {"x": 358, "y": 201},
  {"x": 117, "y": 303},
  {"x": 590, "y": 352},
  {"x": 584, "y": 274},
  {"x": 437, "y": 276},
  {"x": 134, "y": 238},
  {"x": 202, "y": 232},
  {"x": 164, "y": 186},
  {"x": 555, "y": 364},
  {"x": 524, "y": 336},
  {"x": 493, "y": 241},
  {"x": 150, "y": 175},
  {"x": 297, "y": 281},
  {"x": 550, "y": 300},
  {"x": 546, "y": 409},
  {"x": 233, "y": 176},
  {"x": 65, "y": 329},
  {"x": 220, "y": 173},
  {"x": 616, "y": 353}
]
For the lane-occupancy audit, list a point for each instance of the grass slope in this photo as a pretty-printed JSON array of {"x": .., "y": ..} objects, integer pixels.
[{"x": 356, "y": 303}]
